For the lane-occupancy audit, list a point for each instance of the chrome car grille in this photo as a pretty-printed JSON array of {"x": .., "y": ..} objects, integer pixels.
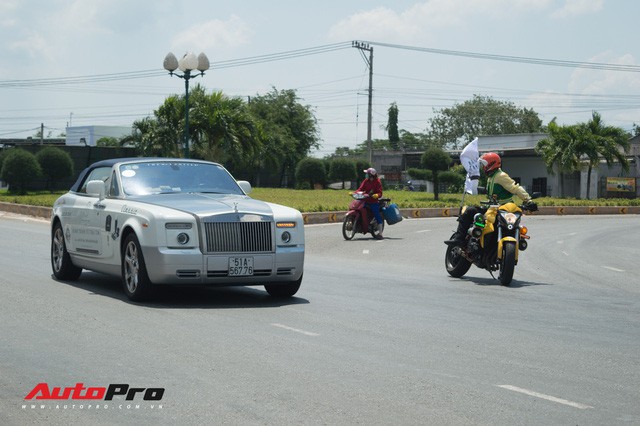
[{"x": 238, "y": 237}]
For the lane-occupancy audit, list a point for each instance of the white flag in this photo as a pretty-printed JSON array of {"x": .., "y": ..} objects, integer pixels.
[{"x": 469, "y": 159}]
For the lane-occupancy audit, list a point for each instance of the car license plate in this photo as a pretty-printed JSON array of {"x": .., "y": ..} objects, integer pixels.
[{"x": 240, "y": 266}]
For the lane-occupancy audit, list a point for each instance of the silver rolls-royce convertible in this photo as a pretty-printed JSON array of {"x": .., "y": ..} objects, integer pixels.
[{"x": 154, "y": 221}]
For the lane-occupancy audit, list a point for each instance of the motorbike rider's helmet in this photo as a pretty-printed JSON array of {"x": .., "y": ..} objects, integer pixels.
[
  {"x": 371, "y": 172},
  {"x": 490, "y": 162}
]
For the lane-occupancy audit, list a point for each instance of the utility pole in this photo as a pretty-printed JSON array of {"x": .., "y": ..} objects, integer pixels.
[
  {"x": 369, "y": 61},
  {"x": 41, "y": 133}
]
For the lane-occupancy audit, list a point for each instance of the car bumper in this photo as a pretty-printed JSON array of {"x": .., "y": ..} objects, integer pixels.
[{"x": 170, "y": 266}]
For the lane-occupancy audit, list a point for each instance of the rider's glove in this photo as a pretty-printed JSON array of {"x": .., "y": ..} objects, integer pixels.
[
  {"x": 531, "y": 206},
  {"x": 375, "y": 196}
]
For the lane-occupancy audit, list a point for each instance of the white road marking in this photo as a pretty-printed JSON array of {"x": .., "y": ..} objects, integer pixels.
[
  {"x": 286, "y": 327},
  {"x": 365, "y": 251},
  {"x": 424, "y": 230},
  {"x": 547, "y": 397},
  {"x": 565, "y": 253},
  {"x": 613, "y": 269}
]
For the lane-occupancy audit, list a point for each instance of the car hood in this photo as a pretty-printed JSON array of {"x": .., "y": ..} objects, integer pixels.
[{"x": 203, "y": 204}]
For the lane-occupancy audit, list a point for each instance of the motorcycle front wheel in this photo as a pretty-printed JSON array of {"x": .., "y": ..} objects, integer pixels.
[
  {"x": 350, "y": 227},
  {"x": 508, "y": 263},
  {"x": 455, "y": 263}
]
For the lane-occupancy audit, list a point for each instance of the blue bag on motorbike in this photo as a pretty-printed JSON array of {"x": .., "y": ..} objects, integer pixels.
[{"x": 391, "y": 214}]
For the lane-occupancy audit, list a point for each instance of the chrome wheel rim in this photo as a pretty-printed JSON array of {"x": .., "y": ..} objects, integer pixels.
[
  {"x": 57, "y": 249},
  {"x": 131, "y": 267}
]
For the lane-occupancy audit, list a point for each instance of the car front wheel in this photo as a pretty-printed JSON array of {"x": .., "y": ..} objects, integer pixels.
[
  {"x": 135, "y": 279},
  {"x": 283, "y": 289}
]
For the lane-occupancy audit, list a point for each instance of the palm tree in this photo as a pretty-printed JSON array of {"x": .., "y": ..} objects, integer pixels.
[
  {"x": 223, "y": 129},
  {"x": 598, "y": 141},
  {"x": 558, "y": 150}
]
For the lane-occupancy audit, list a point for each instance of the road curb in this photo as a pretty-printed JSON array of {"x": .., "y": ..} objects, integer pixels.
[
  {"x": 44, "y": 212},
  {"x": 333, "y": 217}
]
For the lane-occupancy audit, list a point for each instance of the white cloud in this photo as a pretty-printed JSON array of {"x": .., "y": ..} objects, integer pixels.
[
  {"x": 605, "y": 82},
  {"x": 214, "y": 34},
  {"x": 7, "y": 7},
  {"x": 421, "y": 19},
  {"x": 578, "y": 7}
]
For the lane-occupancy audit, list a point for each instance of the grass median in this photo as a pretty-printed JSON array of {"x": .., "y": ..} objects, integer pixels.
[{"x": 327, "y": 200}]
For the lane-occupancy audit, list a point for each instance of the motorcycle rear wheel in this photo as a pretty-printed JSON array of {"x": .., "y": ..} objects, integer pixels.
[
  {"x": 456, "y": 265},
  {"x": 508, "y": 263},
  {"x": 375, "y": 232},
  {"x": 350, "y": 227}
]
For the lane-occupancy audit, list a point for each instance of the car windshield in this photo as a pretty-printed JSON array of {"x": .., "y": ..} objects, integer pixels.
[{"x": 168, "y": 177}]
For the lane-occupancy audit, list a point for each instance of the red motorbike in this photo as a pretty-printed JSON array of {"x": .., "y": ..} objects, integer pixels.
[{"x": 360, "y": 219}]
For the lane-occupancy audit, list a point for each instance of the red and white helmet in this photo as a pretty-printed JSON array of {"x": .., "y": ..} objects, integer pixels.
[
  {"x": 371, "y": 171},
  {"x": 490, "y": 162}
]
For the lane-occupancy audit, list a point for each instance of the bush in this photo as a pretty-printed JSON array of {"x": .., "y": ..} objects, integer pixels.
[
  {"x": 453, "y": 180},
  {"x": 310, "y": 171},
  {"x": 342, "y": 169},
  {"x": 19, "y": 168},
  {"x": 55, "y": 164}
]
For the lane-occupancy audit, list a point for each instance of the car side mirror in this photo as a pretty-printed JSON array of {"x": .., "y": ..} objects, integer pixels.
[
  {"x": 245, "y": 186},
  {"x": 96, "y": 188}
]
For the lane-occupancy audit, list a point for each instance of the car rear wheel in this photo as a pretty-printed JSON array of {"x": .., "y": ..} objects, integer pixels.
[
  {"x": 63, "y": 267},
  {"x": 135, "y": 279},
  {"x": 283, "y": 289}
]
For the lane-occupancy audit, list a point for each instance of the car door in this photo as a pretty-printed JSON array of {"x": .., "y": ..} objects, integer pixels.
[{"x": 87, "y": 235}]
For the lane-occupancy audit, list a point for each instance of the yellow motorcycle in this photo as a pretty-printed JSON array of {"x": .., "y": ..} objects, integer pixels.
[{"x": 493, "y": 242}]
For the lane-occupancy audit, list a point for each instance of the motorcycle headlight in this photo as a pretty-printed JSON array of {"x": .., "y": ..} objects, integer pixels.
[{"x": 511, "y": 219}]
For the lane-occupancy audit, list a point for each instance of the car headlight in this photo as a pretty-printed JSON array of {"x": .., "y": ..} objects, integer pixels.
[
  {"x": 286, "y": 229},
  {"x": 180, "y": 234},
  {"x": 182, "y": 238}
]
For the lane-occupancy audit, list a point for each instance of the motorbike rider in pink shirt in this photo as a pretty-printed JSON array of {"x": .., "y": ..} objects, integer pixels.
[{"x": 372, "y": 186}]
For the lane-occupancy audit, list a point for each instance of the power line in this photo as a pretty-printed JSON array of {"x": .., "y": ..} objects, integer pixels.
[{"x": 521, "y": 59}]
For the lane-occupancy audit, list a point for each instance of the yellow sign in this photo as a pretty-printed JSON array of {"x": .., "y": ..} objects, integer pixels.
[{"x": 618, "y": 184}]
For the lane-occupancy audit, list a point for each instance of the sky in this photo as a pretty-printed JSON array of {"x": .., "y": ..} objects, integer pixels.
[{"x": 99, "y": 62}]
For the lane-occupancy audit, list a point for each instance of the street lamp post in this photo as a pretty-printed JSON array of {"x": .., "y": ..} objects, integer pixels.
[{"x": 187, "y": 64}]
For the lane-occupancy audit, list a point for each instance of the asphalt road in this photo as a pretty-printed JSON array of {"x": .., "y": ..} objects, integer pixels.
[{"x": 377, "y": 334}]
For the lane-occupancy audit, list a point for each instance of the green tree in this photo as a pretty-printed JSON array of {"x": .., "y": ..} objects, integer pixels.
[
  {"x": 290, "y": 129},
  {"x": 143, "y": 137},
  {"x": 436, "y": 160},
  {"x": 342, "y": 169},
  {"x": 19, "y": 169},
  {"x": 108, "y": 141},
  {"x": 392, "y": 127},
  {"x": 482, "y": 115},
  {"x": 224, "y": 130},
  {"x": 557, "y": 150},
  {"x": 55, "y": 164},
  {"x": 309, "y": 172},
  {"x": 597, "y": 141}
]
